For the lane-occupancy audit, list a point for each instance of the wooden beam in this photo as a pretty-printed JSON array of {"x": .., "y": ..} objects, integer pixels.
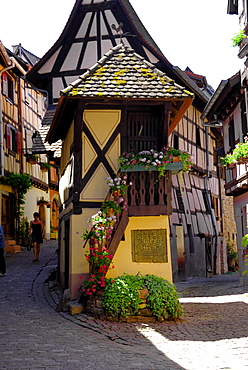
[{"x": 180, "y": 114}]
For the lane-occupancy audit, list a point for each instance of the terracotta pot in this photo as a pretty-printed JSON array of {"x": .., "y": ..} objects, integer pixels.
[
  {"x": 117, "y": 193},
  {"x": 176, "y": 159}
]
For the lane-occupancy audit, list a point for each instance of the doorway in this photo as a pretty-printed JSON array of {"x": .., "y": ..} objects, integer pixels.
[
  {"x": 8, "y": 221},
  {"x": 180, "y": 252}
]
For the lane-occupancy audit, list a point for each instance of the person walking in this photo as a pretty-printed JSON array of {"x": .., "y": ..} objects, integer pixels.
[
  {"x": 2, "y": 258},
  {"x": 36, "y": 231}
]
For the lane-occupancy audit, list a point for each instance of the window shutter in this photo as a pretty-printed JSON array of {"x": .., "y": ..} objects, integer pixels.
[
  {"x": 40, "y": 104},
  {"x": 8, "y": 137},
  {"x": 19, "y": 142},
  {"x": 5, "y": 83}
]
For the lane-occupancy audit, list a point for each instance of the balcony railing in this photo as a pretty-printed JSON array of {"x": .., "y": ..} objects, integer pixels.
[{"x": 149, "y": 195}]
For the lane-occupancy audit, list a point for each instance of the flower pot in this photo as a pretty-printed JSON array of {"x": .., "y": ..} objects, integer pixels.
[
  {"x": 139, "y": 168},
  {"x": 31, "y": 161},
  {"x": 173, "y": 167},
  {"x": 176, "y": 159},
  {"x": 117, "y": 193}
]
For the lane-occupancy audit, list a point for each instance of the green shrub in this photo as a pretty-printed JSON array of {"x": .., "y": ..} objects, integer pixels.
[{"x": 121, "y": 296}]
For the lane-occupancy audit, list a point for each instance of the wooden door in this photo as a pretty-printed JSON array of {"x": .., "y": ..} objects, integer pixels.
[
  {"x": 8, "y": 221},
  {"x": 209, "y": 255},
  {"x": 180, "y": 252}
]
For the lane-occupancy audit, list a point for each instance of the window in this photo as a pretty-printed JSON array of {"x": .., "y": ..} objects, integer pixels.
[
  {"x": 191, "y": 239},
  {"x": 11, "y": 139},
  {"x": 7, "y": 86},
  {"x": 197, "y": 137},
  {"x": 176, "y": 142},
  {"x": 243, "y": 118},
  {"x": 206, "y": 201},
  {"x": 215, "y": 205},
  {"x": 180, "y": 200},
  {"x": 231, "y": 134}
]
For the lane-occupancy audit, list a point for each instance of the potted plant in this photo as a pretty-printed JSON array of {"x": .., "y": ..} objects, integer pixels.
[
  {"x": 231, "y": 255},
  {"x": 41, "y": 201},
  {"x": 239, "y": 154},
  {"x": 153, "y": 160},
  {"x": 238, "y": 38},
  {"x": 32, "y": 158},
  {"x": 44, "y": 166},
  {"x": 112, "y": 207}
]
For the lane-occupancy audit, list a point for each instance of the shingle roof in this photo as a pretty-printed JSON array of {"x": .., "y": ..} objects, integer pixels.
[
  {"x": 39, "y": 140},
  {"x": 122, "y": 73}
]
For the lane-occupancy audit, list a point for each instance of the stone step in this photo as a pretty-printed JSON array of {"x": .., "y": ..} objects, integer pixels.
[
  {"x": 75, "y": 308},
  {"x": 12, "y": 247}
]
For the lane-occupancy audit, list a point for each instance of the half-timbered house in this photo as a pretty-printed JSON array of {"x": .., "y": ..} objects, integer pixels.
[
  {"x": 228, "y": 106},
  {"x": 196, "y": 227},
  {"x": 122, "y": 103},
  {"x": 22, "y": 107}
]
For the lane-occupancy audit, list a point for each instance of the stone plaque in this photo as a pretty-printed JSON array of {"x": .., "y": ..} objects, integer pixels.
[{"x": 149, "y": 245}]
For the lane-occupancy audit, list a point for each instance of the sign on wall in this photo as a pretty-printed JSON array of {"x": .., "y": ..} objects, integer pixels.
[{"x": 149, "y": 245}]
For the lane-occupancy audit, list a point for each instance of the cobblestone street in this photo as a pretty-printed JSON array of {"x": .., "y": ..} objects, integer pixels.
[{"x": 213, "y": 333}]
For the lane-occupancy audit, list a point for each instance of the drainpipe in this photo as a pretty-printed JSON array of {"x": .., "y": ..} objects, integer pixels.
[{"x": 1, "y": 122}]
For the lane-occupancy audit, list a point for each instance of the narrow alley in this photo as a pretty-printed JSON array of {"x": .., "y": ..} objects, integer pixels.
[{"x": 213, "y": 333}]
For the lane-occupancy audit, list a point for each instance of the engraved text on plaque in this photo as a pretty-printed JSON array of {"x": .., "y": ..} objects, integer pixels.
[{"x": 149, "y": 245}]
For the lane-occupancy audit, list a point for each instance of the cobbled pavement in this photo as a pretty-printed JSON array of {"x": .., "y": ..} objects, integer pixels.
[{"x": 213, "y": 333}]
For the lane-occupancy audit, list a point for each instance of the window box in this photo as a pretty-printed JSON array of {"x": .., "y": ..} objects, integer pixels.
[{"x": 174, "y": 167}]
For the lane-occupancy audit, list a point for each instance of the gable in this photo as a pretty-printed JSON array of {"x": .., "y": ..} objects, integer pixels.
[{"x": 91, "y": 31}]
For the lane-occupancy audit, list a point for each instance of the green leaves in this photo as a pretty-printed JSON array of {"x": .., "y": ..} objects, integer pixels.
[
  {"x": 121, "y": 296},
  {"x": 237, "y": 38}
]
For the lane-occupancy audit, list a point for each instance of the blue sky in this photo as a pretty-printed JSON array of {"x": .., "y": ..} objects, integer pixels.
[{"x": 190, "y": 33}]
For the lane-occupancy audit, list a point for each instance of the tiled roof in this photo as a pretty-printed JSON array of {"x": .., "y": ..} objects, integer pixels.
[
  {"x": 39, "y": 140},
  {"x": 48, "y": 117},
  {"x": 25, "y": 54},
  {"x": 122, "y": 73}
]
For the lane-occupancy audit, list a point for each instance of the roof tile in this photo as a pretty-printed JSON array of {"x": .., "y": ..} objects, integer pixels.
[{"x": 124, "y": 73}]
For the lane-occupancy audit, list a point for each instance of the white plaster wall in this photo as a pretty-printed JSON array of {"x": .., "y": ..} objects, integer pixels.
[{"x": 31, "y": 206}]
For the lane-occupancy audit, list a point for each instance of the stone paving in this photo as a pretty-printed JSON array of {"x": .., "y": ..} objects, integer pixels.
[{"x": 213, "y": 333}]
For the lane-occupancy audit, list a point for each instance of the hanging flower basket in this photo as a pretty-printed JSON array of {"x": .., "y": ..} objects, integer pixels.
[{"x": 43, "y": 201}]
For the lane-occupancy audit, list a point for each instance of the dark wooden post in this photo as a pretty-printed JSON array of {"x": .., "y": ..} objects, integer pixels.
[{"x": 167, "y": 112}]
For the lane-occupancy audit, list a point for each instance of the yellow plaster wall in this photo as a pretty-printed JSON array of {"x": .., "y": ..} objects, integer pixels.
[
  {"x": 66, "y": 146},
  {"x": 102, "y": 124},
  {"x": 78, "y": 264},
  {"x": 123, "y": 257}
]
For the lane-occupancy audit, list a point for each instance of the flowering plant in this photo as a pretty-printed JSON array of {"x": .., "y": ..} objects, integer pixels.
[
  {"x": 101, "y": 227},
  {"x": 102, "y": 223},
  {"x": 239, "y": 154},
  {"x": 100, "y": 261},
  {"x": 118, "y": 186},
  {"x": 151, "y": 158}
]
